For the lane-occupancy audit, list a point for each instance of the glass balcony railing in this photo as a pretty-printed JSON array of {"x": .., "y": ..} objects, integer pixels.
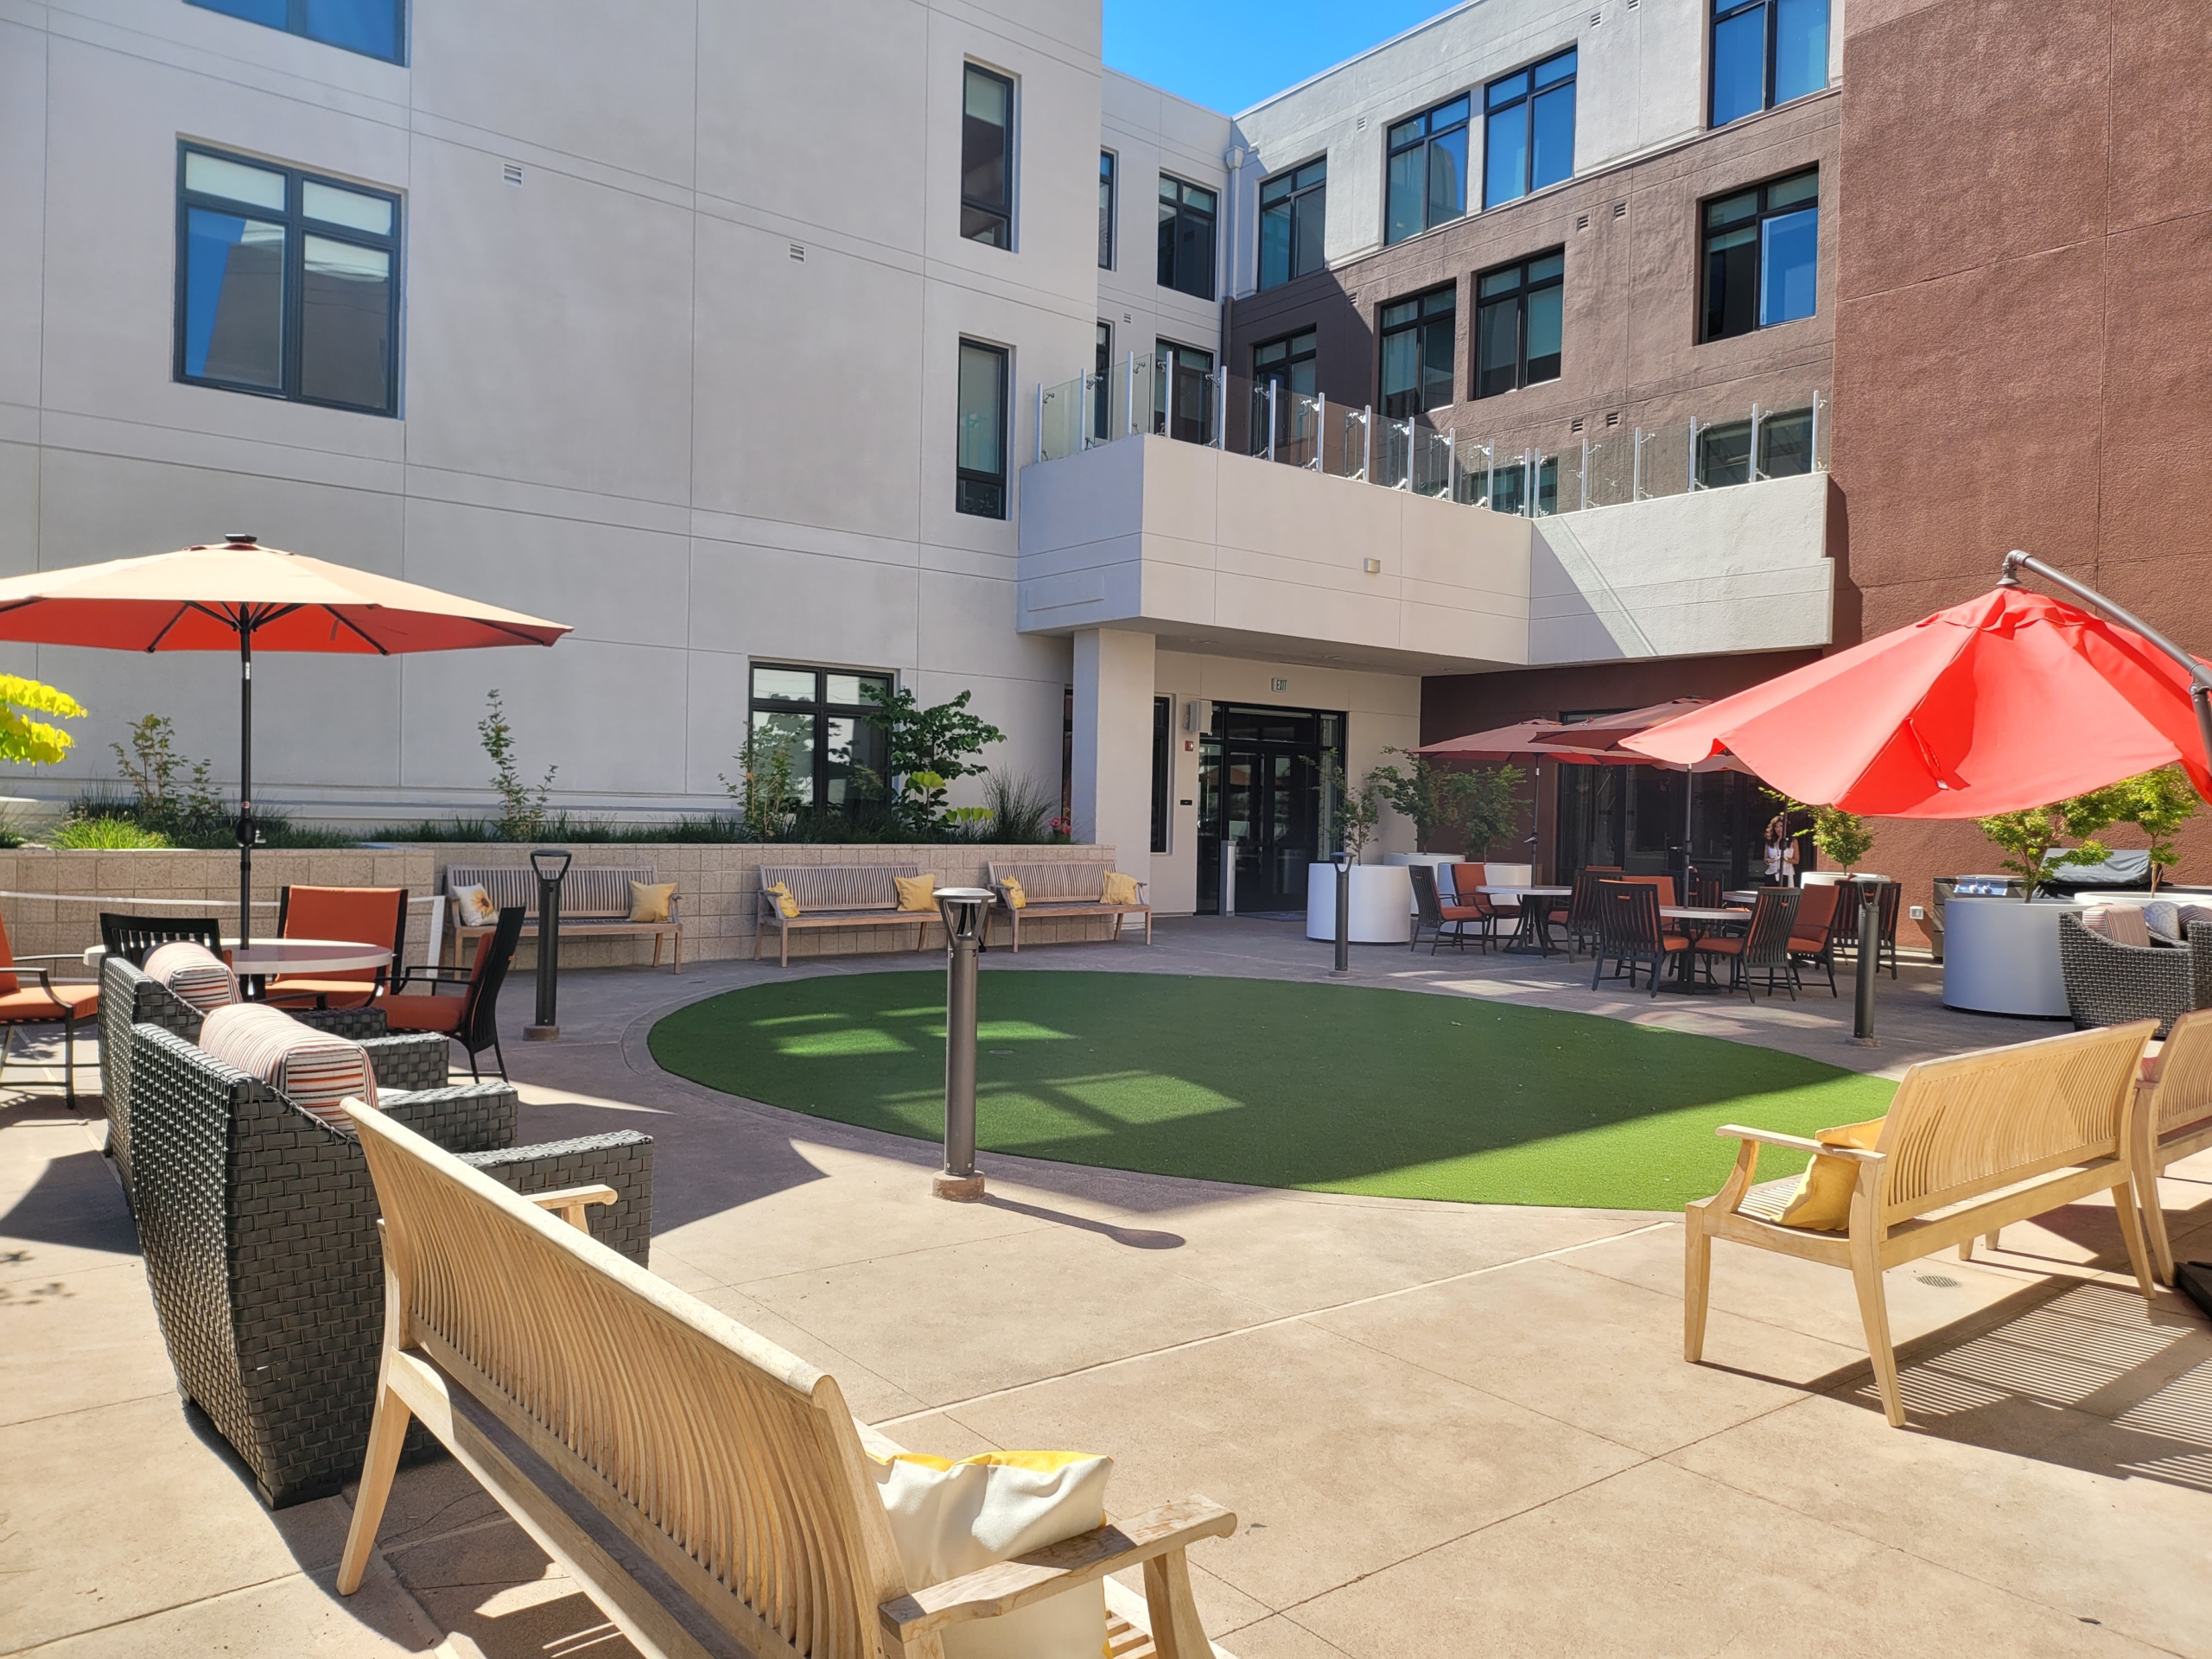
[{"x": 1269, "y": 420}]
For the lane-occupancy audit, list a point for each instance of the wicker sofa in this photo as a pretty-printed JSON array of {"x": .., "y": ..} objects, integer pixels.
[
  {"x": 129, "y": 1000},
  {"x": 257, "y": 1222},
  {"x": 2108, "y": 983}
]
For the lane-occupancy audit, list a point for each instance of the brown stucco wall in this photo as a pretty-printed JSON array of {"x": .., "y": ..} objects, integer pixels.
[
  {"x": 1629, "y": 344},
  {"x": 2023, "y": 342}
]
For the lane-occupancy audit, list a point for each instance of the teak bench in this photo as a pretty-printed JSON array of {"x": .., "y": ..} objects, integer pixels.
[
  {"x": 595, "y": 903},
  {"x": 2173, "y": 1118},
  {"x": 835, "y": 895},
  {"x": 1065, "y": 888},
  {"x": 1970, "y": 1144},
  {"x": 709, "y": 1492}
]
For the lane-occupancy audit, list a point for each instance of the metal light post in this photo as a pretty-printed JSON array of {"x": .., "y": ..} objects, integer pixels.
[
  {"x": 551, "y": 863},
  {"x": 966, "y": 912},
  {"x": 1343, "y": 860},
  {"x": 1870, "y": 962}
]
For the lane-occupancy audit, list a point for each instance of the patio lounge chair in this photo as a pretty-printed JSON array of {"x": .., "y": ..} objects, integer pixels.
[
  {"x": 470, "y": 1016},
  {"x": 1763, "y": 947},
  {"x": 1629, "y": 934},
  {"x": 2173, "y": 1119},
  {"x": 357, "y": 916},
  {"x": 2108, "y": 983},
  {"x": 1969, "y": 1144},
  {"x": 258, "y": 1224},
  {"x": 709, "y": 1492}
]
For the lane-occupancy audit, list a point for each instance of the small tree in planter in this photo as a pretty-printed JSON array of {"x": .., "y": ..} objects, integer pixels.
[
  {"x": 2158, "y": 804},
  {"x": 924, "y": 750},
  {"x": 1477, "y": 806},
  {"x": 2033, "y": 834},
  {"x": 1356, "y": 815},
  {"x": 1841, "y": 836}
]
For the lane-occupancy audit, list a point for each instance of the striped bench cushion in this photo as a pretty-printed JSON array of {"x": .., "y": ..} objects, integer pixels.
[
  {"x": 193, "y": 974},
  {"x": 316, "y": 1070}
]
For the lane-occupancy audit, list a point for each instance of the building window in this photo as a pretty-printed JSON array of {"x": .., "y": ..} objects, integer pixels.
[
  {"x": 1292, "y": 364},
  {"x": 1517, "y": 316},
  {"x": 1785, "y": 449},
  {"x": 376, "y": 28},
  {"x": 1163, "y": 767},
  {"x": 1762, "y": 256},
  {"x": 1528, "y": 130},
  {"x": 1419, "y": 341},
  {"x": 287, "y": 284},
  {"x": 1186, "y": 214},
  {"x": 820, "y": 718},
  {"x": 1428, "y": 170},
  {"x": 1765, "y": 53},
  {"x": 986, "y": 159},
  {"x": 1105, "y": 210},
  {"x": 1182, "y": 401},
  {"x": 982, "y": 430},
  {"x": 1291, "y": 214}
]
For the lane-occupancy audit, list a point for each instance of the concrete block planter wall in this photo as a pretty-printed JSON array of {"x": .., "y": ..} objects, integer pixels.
[{"x": 51, "y": 899}]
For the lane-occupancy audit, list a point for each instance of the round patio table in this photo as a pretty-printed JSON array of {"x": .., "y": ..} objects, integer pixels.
[
  {"x": 1708, "y": 917},
  {"x": 1535, "y": 932},
  {"x": 256, "y": 960}
]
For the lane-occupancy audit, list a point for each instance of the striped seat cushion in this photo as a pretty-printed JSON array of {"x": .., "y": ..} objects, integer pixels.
[
  {"x": 316, "y": 1072},
  {"x": 193, "y": 974}
]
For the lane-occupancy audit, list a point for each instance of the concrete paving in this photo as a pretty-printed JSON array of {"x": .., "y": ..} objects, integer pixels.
[{"x": 1445, "y": 1428}]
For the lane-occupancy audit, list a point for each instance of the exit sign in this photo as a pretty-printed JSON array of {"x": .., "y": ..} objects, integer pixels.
[{"x": 1278, "y": 685}]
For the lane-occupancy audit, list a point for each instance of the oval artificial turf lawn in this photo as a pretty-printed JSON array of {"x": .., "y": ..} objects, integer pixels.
[{"x": 1334, "y": 1088}]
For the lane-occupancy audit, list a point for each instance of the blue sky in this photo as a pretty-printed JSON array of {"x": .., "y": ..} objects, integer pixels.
[{"x": 1231, "y": 54}]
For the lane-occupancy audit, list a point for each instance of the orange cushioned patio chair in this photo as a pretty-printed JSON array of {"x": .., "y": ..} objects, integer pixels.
[
  {"x": 45, "y": 1003},
  {"x": 366, "y": 916},
  {"x": 470, "y": 1017}
]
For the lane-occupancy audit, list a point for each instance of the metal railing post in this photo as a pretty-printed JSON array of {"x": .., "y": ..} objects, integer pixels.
[
  {"x": 1636, "y": 467},
  {"x": 1813, "y": 459},
  {"x": 1040, "y": 420},
  {"x": 1452, "y": 464},
  {"x": 1221, "y": 427},
  {"x": 1693, "y": 452},
  {"x": 1585, "y": 469},
  {"x": 1274, "y": 386},
  {"x": 1129, "y": 410},
  {"x": 1320, "y": 461},
  {"x": 1752, "y": 460},
  {"x": 1367, "y": 445}
]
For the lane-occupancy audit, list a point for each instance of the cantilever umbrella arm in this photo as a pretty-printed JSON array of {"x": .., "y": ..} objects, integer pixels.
[{"x": 2200, "y": 677}]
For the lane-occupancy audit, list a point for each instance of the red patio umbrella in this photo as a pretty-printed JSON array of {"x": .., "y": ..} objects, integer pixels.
[
  {"x": 2010, "y": 701},
  {"x": 229, "y": 595},
  {"x": 1518, "y": 742}
]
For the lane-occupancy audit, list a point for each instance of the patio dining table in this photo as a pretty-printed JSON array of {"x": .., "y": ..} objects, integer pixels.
[
  {"x": 1701, "y": 917},
  {"x": 255, "y": 960},
  {"x": 1535, "y": 932}
]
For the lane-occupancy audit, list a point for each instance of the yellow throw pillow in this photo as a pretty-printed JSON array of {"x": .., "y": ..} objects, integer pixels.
[
  {"x": 1120, "y": 889},
  {"x": 1015, "y": 897},
  {"x": 1823, "y": 1198},
  {"x": 649, "y": 900},
  {"x": 784, "y": 902},
  {"x": 950, "y": 1518},
  {"x": 916, "y": 892}
]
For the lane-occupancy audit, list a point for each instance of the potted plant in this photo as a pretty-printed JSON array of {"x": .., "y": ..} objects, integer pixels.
[
  {"x": 1842, "y": 837},
  {"x": 1381, "y": 895},
  {"x": 2158, "y": 804},
  {"x": 1472, "y": 807},
  {"x": 2033, "y": 835}
]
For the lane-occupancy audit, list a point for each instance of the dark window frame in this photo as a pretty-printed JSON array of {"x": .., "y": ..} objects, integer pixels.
[
  {"x": 1000, "y": 214},
  {"x": 1710, "y": 330},
  {"x": 1170, "y": 269},
  {"x": 1424, "y": 141},
  {"x": 965, "y": 476},
  {"x": 1525, "y": 101},
  {"x": 297, "y": 228},
  {"x": 1163, "y": 768},
  {"x": 1295, "y": 199},
  {"x": 821, "y": 711},
  {"x": 1524, "y": 289},
  {"x": 1726, "y": 11},
  {"x": 295, "y": 23},
  {"x": 1425, "y": 355},
  {"x": 1110, "y": 202},
  {"x": 1174, "y": 366}
]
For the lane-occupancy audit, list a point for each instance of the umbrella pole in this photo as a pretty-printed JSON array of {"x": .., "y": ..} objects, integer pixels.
[{"x": 245, "y": 780}]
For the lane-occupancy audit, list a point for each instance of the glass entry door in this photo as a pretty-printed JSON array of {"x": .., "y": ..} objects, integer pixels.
[{"x": 1260, "y": 781}]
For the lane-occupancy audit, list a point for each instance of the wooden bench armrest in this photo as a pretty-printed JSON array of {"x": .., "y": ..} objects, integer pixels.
[
  {"x": 1045, "y": 1572},
  {"x": 570, "y": 1202},
  {"x": 1796, "y": 1143}
]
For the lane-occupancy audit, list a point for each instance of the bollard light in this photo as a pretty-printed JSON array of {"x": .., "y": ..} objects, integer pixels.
[
  {"x": 1343, "y": 969},
  {"x": 551, "y": 863},
  {"x": 966, "y": 912},
  {"x": 1870, "y": 964}
]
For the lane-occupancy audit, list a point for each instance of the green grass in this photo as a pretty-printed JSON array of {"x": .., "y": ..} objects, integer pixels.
[{"x": 1333, "y": 1089}]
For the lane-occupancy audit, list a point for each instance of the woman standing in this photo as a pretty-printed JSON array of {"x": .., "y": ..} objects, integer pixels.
[{"x": 1780, "y": 852}]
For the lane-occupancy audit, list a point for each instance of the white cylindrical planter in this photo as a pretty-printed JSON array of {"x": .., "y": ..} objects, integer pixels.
[
  {"x": 1440, "y": 862},
  {"x": 1382, "y": 903},
  {"x": 2000, "y": 956}
]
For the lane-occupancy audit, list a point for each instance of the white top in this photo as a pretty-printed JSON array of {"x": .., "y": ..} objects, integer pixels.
[
  {"x": 1531, "y": 893},
  {"x": 1702, "y": 914},
  {"x": 303, "y": 956}
]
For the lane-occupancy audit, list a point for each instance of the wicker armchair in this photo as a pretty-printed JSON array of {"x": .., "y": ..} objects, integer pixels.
[
  {"x": 2110, "y": 984},
  {"x": 257, "y": 1222},
  {"x": 129, "y": 1000}
]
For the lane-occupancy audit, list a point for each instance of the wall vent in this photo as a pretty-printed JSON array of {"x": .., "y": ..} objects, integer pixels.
[
  {"x": 1577, "y": 426},
  {"x": 1582, "y": 221},
  {"x": 1360, "y": 126},
  {"x": 1631, "y": 4},
  {"x": 514, "y": 172},
  {"x": 1596, "y": 18},
  {"x": 1620, "y": 210},
  {"x": 1612, "y": 417},
  {"x": 798, "y": 252}
]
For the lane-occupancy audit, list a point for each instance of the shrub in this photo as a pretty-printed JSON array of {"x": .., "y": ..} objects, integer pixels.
[
  {"x": 1022, "y": 812},
  {"x": 105, "y": 835}
]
